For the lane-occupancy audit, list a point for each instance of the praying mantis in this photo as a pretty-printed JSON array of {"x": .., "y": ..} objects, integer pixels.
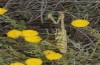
[{"x": 60, "y": 34}]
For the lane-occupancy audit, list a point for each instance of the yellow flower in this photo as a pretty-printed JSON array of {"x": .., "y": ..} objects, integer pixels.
[
  {"x": 3, "y": 11},
  {"x": 29, "y": 33},
  {"x": 53, "y": 56},
  {"x": 33, "y": 39},
  {"x": 48, "y": 52},
  {"x": 33, "y": 61},
  {"x": 17, "y": 63},
  {"x": 80, "y": 23},
  {"x": 14, "y": 33}
]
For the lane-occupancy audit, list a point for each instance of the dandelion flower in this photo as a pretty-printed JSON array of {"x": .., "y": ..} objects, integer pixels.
[
  {"x": 33, "y": 61},
  {"x": 29, "y": 33},
  {"x": 33, "y": 39},
  {"x": 14, "y": 33},
  {"x": 3, "y": 11},
  {"x": 53, "y": 56},
  {"x": 80, "y": 23},
  {"x": 17, "y": 63},
  {"x": 46, "y": 52}
]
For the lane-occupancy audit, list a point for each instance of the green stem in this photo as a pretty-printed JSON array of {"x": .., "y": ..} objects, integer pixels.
[{"x": 13, "y": 22}]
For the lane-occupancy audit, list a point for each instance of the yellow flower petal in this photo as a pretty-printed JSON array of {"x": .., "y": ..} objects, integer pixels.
[
  {"x": 33, "y": 61},
  {"x": 46, "y": 52},
  {"x": 29, "y": 33},
  {"x": 80, "y": 23},
  {"x": 3, "y": 11},
  {"x": 14, "y": 34},
  {"x": 17, "y": 63},
  {"x": 53, "y": 56},
  {"x": 33, "y": 39}
]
